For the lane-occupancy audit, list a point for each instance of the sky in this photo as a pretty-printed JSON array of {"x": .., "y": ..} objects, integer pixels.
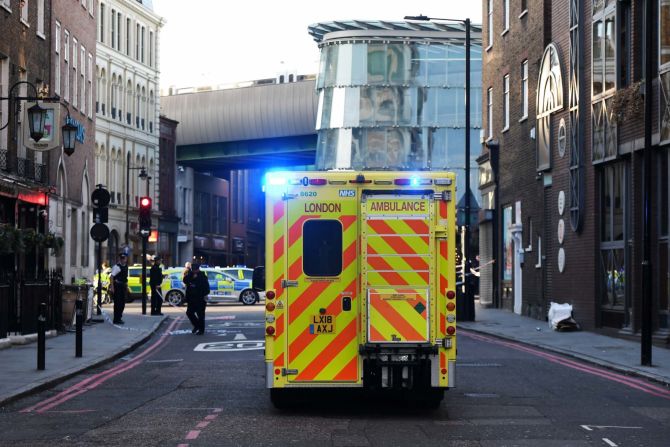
[{"x": 220, "y": 42}]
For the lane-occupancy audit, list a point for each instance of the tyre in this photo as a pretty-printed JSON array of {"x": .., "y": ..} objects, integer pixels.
[
  {"x": 174, "y": 298},
  {"x": 248, "y": 297}
]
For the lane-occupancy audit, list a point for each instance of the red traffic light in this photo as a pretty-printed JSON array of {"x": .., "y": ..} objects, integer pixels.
[
  {"x": 145, "y": 202},
  {"x": 145, "y": 215}
]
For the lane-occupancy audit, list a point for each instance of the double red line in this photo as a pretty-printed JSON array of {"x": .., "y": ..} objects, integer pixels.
[
  {"x": 98, "y": 379},
  {"x": 638, "y": 384}
]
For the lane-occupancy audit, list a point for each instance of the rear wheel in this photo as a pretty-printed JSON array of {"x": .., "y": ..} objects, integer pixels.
[
  {"x": 174, "y": 298},
  {"x": 248, "y": 297}
]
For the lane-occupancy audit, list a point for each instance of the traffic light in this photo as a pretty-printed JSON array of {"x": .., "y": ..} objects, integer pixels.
[
  {"x": 145, "y": 214},
  {"x": 100, "y": 200}
]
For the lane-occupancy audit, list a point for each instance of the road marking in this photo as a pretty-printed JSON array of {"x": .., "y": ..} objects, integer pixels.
[
  {"x": 228, "y": 346},
  {"x": 165, "y": 361},
  {"x": 240, "y": 337},
  {"x": 638, "y": 384},
  {"x": 202, "y": 424},
  {"x": 610, "y": 443},
  {"x": 193, "y": 434},
  {"x": 602, "y": 427},
  {"x": 98, "y": 379}
]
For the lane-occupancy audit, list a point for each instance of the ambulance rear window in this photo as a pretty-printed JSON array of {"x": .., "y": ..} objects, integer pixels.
[{"x": 322, "y": 248}]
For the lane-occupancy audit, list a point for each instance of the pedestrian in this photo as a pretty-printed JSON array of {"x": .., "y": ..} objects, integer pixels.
[
  {"x": 118, "y": 287},
  {"x": 187, "y": 271},
  {"x": 197, "y": 289},
  {"x": 155, "y": 281}
]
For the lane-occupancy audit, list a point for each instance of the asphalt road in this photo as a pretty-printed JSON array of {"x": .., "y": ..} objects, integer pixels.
[{"x": 180, "y": 389}]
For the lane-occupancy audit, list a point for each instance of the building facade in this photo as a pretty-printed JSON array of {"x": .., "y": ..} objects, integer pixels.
[
  {"x": 24, "y": 193},
  {"x": 168, "y": 221},
  {"x": 73, "y": 49},
  {"x": 569, "y": 218},
  {"x": 211, "y": 224},
  {"x": 127, "y": 108}
]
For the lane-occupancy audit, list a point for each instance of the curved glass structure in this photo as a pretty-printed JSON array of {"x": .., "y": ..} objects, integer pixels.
[{"x": 386, "y": 105}]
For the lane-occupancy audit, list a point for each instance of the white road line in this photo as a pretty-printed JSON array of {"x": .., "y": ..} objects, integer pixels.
[
  {"x": 240, "y": 337},
  {"x": 610, "y": 443},
  {"x": 586, "y": 427},
  {"x": 602, "y": 427}
]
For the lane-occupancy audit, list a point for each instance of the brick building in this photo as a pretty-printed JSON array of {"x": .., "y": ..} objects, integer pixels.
[
  {"x": 567, "y": 222},
  {"x": 72, "y": 52},
  {"x": 24, "y": 57},
  {"x": 168, "y": 222}
]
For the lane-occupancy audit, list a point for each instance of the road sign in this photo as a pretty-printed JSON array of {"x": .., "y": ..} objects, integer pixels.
[{"x": 99, "y": 232}]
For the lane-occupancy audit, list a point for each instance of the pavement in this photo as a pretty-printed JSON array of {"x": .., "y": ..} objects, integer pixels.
[
  {"x": 617, "y": 354},
  {"x": 101, "y": 342}
]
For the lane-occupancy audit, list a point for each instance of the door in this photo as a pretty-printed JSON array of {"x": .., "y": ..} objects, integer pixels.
[
  {"x": 322, "y": 288},
  {"x": 397, "y": 253}
]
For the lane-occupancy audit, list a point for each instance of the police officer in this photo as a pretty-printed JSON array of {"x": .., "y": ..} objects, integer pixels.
[
  {"x": 197, "y": 289},
  {"x": 155, "y": 281},
  {"x": 118, "y": 287}
]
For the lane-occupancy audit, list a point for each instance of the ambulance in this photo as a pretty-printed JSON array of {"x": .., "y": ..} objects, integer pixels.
[{"x": 360, "y": 282}]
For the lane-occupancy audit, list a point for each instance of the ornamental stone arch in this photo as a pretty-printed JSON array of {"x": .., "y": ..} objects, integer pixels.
[{"x": 549, "y": 100}]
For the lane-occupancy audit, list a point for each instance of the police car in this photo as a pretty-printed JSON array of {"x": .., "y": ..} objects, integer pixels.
[{"x": 223, "y": 287}]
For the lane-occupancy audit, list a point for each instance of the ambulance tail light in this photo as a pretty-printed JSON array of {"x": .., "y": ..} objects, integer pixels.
[
  {"x": 451, "y": 307},
  {"x": 402, "y": 181},
  {"x": 270, "y": 307},
  {"x": 270, "y": 330},
  {"x": 317, "y": 181},
  {"x": 451, "y": 294},
  {"x": 451, "y": 330},
  {"x": 270, "y": 295}
]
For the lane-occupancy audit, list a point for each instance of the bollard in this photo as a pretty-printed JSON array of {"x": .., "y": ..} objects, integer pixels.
[
  {"x": 41, "y": 337},
  {"x": 79, "y": 326}
]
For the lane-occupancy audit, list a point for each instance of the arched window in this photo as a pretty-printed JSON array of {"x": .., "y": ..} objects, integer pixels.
[
  {"x": 103, "y": 91},
  {"x": 549, "y": 100},
  {"x": 151, "y": 111},
  {"x": 144, "y": 109},
  {"x": 129, "y": 102}
]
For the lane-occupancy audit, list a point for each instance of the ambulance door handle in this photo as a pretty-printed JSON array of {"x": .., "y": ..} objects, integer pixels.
[
  {"x": 346, "y": 303},
  {"x": 285, "y": 283}
]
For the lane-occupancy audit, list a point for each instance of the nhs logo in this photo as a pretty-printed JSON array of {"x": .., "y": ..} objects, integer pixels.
[{"x": 347, "y": 193}]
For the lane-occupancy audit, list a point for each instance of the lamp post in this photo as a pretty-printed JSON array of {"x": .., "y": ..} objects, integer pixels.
[
  {"x": 469, "y": 313},
  {"x": 143, "y": 175}
]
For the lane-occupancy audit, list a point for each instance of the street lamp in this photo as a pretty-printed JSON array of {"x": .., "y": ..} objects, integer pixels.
[
  {"x": 144, "y": 176},
  {"x": 69, "y": 133},
  {"x": 469, "y": 311},
  {"x": 36, "y": 114}
]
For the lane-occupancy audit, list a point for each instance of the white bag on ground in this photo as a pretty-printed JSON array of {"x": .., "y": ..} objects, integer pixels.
[{"x": 560, "y": 317}]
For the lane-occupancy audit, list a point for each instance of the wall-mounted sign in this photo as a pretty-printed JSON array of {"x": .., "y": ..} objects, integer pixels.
[
  {"x": 51, "y": 138},
  {"x": 562, "y": 138},
  {"x": 561, "y": 202},
  {"x": 561, "y": 259},
  {"x": 81, "y": 130},
  {"x": 561, "y": 230}
]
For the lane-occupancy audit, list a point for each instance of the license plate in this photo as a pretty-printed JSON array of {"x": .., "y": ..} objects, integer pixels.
[{"x": 322, "y": 324}]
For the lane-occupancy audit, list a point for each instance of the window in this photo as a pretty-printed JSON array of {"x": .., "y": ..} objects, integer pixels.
[
  {"x": 40, "y": 18},
  {"x": 603, "y": 48},
  {"x": 57, "y": 59},
  {"x": 90, "y": 85},
  {"x": 490, "y": 23},
  {"x": 6, "y": 4},
  {"x": 505, "y": 16},
  {"x": 489, "y": 112},
  {"x": 664, "y": 34},
  {"x": 322, "y": 248},
  {"x": 82, "y": 71},
  {"x": 128, "y": 37},
  {"x": 84, "y": 241},
  {"x": 75, "y": 92},
  {"x": 73, "y": 236},
  {"x": 101, "y": 37},
  {"x": 142, "y": 45},
  {"x": 524, "y": 89},
  {"x": 549, "y": 100},
  {"x": 137, "y": 41},
  {"x": 24, "y": 12},
  {"x": 118, "y": 31},
  {"x": 151, "y": 48},
  {"x": 66, "y": 54},
  {"x": 113, "y": 29},
  {"x": 506, "y": 102}
]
